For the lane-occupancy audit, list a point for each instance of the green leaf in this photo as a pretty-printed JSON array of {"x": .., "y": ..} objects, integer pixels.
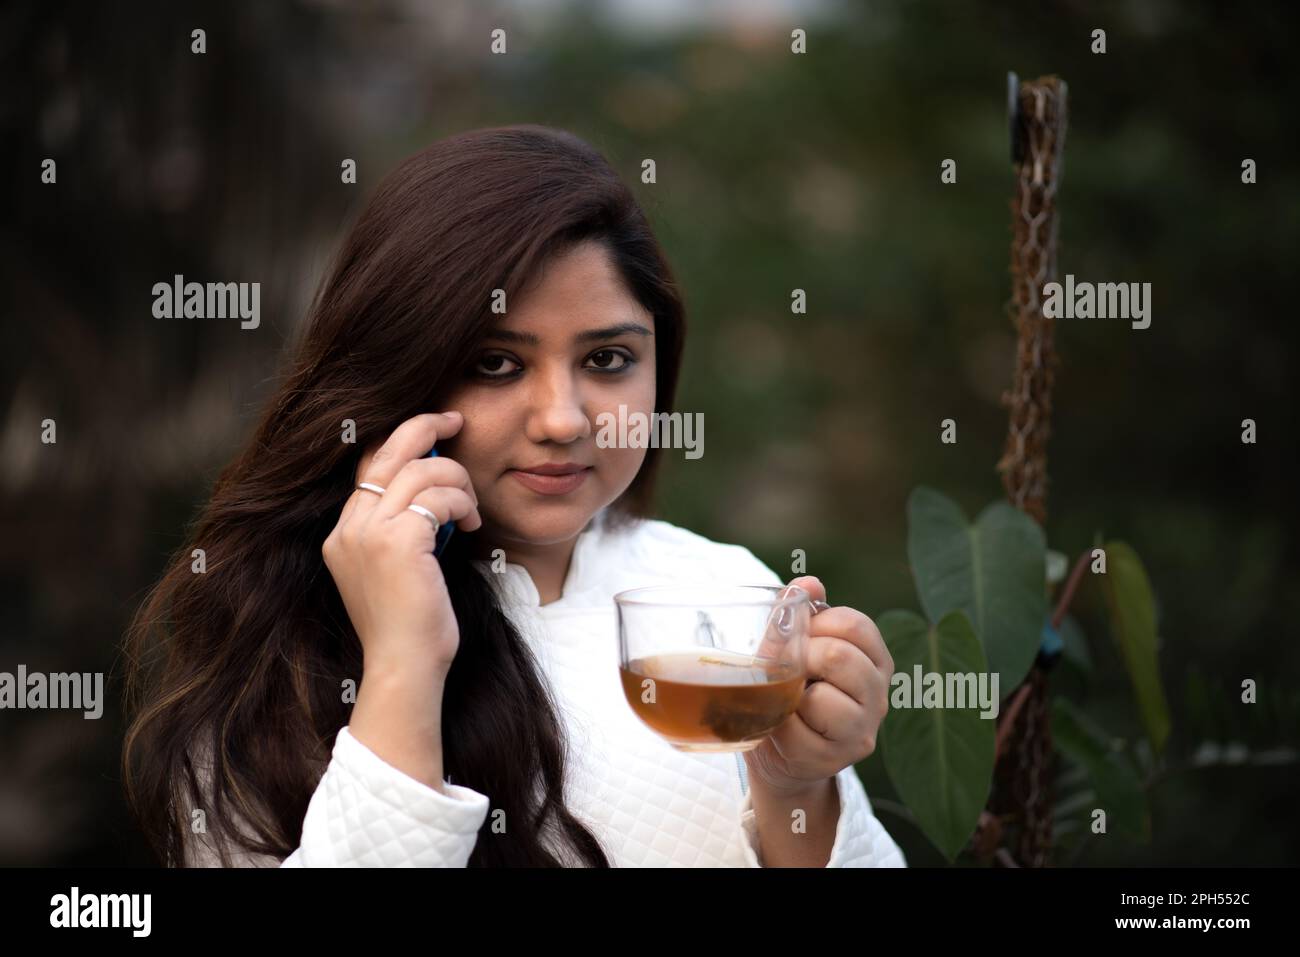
[
  {"x": 1131, "y": 608},
  {"x": 1119, "y": 792},
  {"x": 993, "y": 570},
  {"x": 939, "y": 760}
]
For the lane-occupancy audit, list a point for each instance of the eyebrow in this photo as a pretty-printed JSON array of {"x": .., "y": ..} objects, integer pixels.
[{"x": 588, "y": 335}]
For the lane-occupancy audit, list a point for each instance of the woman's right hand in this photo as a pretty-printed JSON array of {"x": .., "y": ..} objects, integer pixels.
[{"x": 381, "y": 553}]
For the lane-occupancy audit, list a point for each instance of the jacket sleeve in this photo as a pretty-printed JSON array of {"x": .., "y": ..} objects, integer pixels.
[
  {"x": 860, "y": 839},
  {"x": 367, "y": 813}
]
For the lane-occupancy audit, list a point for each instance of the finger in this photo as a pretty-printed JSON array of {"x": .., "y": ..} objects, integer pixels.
[
  {"x": 464, "y": 512},
  {"x": 852, "y": 625},
  {"x": 829, "y": 712},
  {"x": 350, "y": 506},
  {"x": 812, "y": 585},
  {"x": 801, "y": 747},
  {"x": 421, "y": 474},
  {"x": 455, "y": 505},
  {"x": 411, "y": 440},
  {"x": 843, "y": 664},
  {"x": 447, "y": 504}
]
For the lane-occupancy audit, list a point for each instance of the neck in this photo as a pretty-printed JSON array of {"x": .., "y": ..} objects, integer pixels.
[{"x": 547, "y": 564}]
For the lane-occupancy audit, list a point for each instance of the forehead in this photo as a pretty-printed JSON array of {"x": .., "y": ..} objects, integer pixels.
[{"x": 578, "y": 290}]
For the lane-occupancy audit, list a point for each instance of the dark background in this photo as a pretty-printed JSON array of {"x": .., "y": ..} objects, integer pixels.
[{"x": 775, "y": 171}]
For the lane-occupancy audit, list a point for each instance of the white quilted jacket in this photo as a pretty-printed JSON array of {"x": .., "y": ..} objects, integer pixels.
[{"x": 649, "y": 804}]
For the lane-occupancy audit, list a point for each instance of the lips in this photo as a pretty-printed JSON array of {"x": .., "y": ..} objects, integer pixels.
[
  {"x": 554, "y": 468},
  {"x": 554, "y": 480}
]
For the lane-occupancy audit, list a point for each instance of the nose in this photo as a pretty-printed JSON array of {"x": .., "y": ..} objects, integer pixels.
[{"x": 557, "y": 408}]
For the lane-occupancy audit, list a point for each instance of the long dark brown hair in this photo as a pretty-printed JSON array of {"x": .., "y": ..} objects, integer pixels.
[{"x": 246, "y": 661}]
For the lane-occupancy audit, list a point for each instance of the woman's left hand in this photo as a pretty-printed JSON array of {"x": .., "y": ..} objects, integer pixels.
[{"x": 837, "y": 719}]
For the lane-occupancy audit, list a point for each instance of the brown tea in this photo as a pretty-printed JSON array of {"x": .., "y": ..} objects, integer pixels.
[{"x": 709, "y": 699}]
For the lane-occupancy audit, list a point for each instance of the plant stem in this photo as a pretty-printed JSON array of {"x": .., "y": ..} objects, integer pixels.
[
  {"x": 1062, "y": 606},
  {"x": 1067, "y": 593},
  {"x": 1009, "y": 722},
  {"x": 1004, "y": 858}
]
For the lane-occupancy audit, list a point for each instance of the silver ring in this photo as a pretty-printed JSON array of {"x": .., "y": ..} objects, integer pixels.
[
  {"x": 370, "y": 487},
  {"x": 420, "y": 509}
]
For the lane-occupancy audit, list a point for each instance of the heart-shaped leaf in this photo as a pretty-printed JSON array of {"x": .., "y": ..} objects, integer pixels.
[
  {"x": 940, "y": 760},
  {"x": 993, "y": 570}
]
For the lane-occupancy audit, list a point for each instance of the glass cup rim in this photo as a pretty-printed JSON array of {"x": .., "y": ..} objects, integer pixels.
[{"x": 632, "y": 596}]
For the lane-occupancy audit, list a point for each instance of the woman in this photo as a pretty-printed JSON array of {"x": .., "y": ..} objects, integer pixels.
[{"x": 329, "y": 692}]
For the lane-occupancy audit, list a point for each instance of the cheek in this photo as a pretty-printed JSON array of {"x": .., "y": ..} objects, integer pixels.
[
  {"x": 622, "y": 464},
  {"x": 638, "y": 395},
  {"x": 477, "y": 446},
  {"x": 638, "y": 392}
]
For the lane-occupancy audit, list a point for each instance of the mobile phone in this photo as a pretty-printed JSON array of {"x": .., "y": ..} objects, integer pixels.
[{"x": 447, "y": 527}]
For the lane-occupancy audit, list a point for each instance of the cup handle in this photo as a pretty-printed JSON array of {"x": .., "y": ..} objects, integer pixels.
[{"x": 814, "y": 606}]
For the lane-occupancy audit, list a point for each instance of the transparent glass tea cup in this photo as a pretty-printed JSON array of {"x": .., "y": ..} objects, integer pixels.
[{"x": 714, "y": 668}]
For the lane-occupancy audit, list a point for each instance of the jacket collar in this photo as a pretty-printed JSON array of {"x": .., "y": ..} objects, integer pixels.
[{"x": 587, "y": 569}]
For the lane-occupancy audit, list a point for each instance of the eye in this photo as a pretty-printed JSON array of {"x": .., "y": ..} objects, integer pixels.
[
  {"x": 627, "y": 363},
  {"x": 489, "y": 367}
]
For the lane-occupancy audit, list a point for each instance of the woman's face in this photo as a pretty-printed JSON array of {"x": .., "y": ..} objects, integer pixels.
[{"x": 575, "y": 344}]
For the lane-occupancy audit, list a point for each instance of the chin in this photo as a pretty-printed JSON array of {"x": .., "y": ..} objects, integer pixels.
[{"x": 547, "y": 523}]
